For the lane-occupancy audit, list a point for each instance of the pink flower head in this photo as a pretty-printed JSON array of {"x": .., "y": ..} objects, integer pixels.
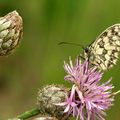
[{"x": 88, "y": 99}]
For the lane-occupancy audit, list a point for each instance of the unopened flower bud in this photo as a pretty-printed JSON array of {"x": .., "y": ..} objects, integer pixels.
[
  {"x": 48, "y": 97},
  {"x": 11, "y": 28}
]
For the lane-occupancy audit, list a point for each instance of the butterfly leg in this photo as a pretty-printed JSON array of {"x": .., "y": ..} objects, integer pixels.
[{"x": 80, "y": 56}]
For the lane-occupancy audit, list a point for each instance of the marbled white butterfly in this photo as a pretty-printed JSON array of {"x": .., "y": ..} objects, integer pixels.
[{"x": 103, "y": 52}]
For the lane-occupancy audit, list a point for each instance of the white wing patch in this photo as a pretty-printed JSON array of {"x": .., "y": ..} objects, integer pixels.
[{"x": 104, "y": 51}]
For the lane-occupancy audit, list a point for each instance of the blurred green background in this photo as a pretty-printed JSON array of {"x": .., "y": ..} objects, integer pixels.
[{"x": 39, "y": 60}]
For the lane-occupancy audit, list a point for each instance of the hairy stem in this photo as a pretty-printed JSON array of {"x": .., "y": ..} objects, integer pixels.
[{"x": 29, "y": 114}]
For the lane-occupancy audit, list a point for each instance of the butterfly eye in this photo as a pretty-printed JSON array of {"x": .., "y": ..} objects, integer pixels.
[{"x": 86, "y": 50}]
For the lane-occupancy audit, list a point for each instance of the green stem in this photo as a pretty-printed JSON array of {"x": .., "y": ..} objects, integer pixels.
[{"x": 29, "y": 114}]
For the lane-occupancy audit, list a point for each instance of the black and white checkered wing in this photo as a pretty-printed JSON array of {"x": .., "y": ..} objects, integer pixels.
[{"x": 105, "y": 49}]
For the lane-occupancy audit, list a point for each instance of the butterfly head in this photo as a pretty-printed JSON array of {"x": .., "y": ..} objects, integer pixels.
[{"x": 86, "y": 52}]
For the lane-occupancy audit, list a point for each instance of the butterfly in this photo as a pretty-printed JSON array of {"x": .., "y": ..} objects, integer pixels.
[{"x": 104, "y": 51}]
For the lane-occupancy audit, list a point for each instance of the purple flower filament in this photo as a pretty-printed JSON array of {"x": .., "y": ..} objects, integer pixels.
[{"x": 88, "y": 99}]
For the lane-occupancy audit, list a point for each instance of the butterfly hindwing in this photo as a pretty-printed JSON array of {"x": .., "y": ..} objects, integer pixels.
[{"x": 104, "y": 51}]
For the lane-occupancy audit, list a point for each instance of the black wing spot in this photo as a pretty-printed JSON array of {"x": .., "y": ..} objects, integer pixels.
[
  {"x": 116, "y": 33},
  {"x": 105, "y": 33}
]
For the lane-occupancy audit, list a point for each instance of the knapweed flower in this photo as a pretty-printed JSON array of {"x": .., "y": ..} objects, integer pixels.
[{"x": 88, "y": 99}]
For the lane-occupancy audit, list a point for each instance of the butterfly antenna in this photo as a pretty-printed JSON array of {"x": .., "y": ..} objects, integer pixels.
[{"x": 69, "y": 43}]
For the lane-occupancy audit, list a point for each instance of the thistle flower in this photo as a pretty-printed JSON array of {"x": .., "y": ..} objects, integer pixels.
[
  {"x": 10, "y": 32},
  {"x": 88, "y": 99}
]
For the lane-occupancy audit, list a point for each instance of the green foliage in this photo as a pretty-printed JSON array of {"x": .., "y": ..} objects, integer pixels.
[{"x": 39, "y": 60}]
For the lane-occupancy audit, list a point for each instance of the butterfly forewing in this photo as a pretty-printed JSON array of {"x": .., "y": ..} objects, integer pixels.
[{"x": 104, "y": 50}]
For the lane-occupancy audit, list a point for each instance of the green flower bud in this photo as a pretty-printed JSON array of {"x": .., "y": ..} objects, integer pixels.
[
  {"x": 48, "y": 97},
  {"x": 11, "y": 31}
]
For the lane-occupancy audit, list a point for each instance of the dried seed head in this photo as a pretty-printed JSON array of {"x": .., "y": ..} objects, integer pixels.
[
  {"x": 11, "y": 28},
  {"x": 48, "y": 97}
]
